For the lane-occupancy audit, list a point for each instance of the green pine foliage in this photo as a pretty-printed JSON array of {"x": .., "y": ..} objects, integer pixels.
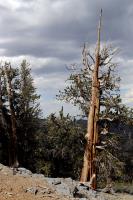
[
  {"x": 61, "y": 147},
  {"x": 27, "y": 111},
  {"x": 27, "y": 116}
]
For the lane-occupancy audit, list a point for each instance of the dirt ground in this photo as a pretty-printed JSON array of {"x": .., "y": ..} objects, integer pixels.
[
  {"x": 118, "y": 197},
  {"x": 14, "y": 187}
]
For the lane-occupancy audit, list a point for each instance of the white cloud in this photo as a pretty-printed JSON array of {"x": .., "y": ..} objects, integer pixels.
[
  {"x": 54, "y": 106},
  {"x": 128, "y": 97},
  {"x": 50, "y": 82},
  {"x": 11, "y": 4},
  {"x": 46, "y": 12}
]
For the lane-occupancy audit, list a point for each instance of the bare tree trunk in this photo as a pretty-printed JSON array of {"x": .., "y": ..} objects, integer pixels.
[
  {"x": 89, "y": 165},
  {"x": 13, "y": 161},
  {"x": 1, "y": 106}
]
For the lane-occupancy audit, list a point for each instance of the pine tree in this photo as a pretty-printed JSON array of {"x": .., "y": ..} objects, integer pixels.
[
  {"x": 19, "y": 114},
  {"x": 9, "y": 87},
  {"x": 28, "y": 113},
  {"x": 4, "y": 135},
  {"x": 60, "y": 146},
  {"x": 2, "y": 119}
]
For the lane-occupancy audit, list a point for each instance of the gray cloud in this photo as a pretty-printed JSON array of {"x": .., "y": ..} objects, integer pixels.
[
  {"x": 37, "y": 33},
  {"x": 50, "y": 33}
]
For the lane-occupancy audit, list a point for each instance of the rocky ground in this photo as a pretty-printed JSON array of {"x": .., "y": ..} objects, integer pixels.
[{"x": 21, "y": 184}]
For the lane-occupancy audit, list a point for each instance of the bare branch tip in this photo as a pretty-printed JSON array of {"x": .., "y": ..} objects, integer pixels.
[{"x": 101, "y": 11}]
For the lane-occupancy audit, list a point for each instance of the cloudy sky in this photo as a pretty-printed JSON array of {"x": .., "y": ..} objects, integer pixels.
[{"x": 50, "y": 34}]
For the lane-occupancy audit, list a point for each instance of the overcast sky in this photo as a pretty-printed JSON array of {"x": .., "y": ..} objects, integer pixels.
[{"x": 50, "y": 34}]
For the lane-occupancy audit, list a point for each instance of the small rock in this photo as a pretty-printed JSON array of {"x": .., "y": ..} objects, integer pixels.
[
  {"x": 38, "y": 190},
  {"x": 32, "y": 190},
  {"x": 9, "y": 193},
  {"x": 45, "y": 191},
  {"x": 23, "y": 171},
  {"x": 57, "y": 182}
]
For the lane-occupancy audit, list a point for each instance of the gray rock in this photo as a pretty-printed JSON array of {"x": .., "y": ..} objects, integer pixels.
[
  {"x": 1, "y": 166},
  {"x": 72, "y": 189},
  {"x": 57, "y": 182},
  {"x": 23, "y": 171},
  {"x": 83, "y": 199},
  {"x": 79, "y": 199},
  {"x": 40, "y": 176},
  {"x": 38, "y": 190},
  {"x": 83, "y": 191},
  {"x": 32, "y": 190},
  {"x": 45, "y": 191},
  {"x": 63, "y": 186}
]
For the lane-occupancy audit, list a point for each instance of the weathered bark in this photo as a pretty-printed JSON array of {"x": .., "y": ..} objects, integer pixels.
[
  {"x": 2, "y": 121},
  {"x": 89, "y": 165},
  {"x": 13, "y": 161}
]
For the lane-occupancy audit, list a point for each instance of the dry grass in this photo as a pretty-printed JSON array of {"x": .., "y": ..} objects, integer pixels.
[{"x": 13, "y": 187}]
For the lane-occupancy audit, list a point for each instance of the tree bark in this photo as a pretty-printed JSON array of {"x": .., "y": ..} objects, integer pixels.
[
  {"x": 13, "y": 161},
  {"x": 89, "y": 164},
  {"x": 1, "y": 107}
]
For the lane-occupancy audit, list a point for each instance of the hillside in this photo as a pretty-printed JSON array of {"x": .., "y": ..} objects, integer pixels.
[{"x": 22, "y": 184}]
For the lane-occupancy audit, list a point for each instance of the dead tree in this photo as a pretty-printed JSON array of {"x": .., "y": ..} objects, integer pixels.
[
  {"x": 89, "y": 163},
  {"x": 13, "y": 161},
  {"x": 2, "y": 120}
]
